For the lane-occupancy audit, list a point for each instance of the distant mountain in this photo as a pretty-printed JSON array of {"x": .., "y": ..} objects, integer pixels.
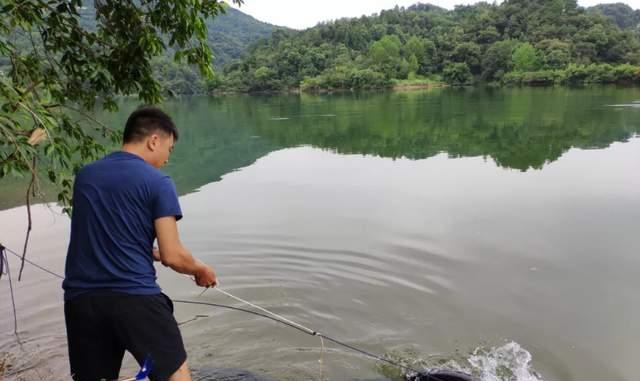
[
  {"x": 230, "y": 34},
  {"x": 622, "y": 14}
]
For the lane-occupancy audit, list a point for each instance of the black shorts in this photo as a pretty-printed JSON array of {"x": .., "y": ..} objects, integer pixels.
[{"x": 101, "y": 325}]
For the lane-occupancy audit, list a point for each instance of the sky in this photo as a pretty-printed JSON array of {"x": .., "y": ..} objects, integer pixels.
[{"x": 300, "y": 14}]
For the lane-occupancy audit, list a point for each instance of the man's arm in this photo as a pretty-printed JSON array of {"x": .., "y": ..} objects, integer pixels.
[{"x": 173, "y": 254}]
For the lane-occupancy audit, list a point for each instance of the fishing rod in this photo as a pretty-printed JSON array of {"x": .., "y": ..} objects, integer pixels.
[
  {"x": 301, "y": 329},
  {"x": 424, "y": 375},
  {"x": 415, "y": 375}
]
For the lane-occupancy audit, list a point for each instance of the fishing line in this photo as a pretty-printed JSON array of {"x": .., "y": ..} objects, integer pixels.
[
  {"x": 301, "y": 329},
  {"x": 309, "y": 331},
  {"x": 32, "y": 263},
  {"x": 5, "y": 261},
  {"x": 321, "y": 361},
  {"x": 322, "y": 349},
  {"x": 267, "y": 314},
  {"x": 280, "y": 317}
]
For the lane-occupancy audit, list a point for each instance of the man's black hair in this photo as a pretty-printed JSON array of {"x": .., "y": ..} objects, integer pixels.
[{"x": 145, "y": 121}]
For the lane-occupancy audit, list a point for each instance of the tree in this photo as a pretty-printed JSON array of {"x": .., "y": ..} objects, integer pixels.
[
  {"x": 65, "y": 68},
  {"x": 415, "y": 46},
  {"x": 585, "y": 52},
  {"x": 497, "y": 60},
  {"x": 385, "y": 49},
  {"x": 385, "y": 53},
  {"x": 622, "y": 14},
  {"x": 525, "y": 58},
  {"x": 488, "y": 35},
  {"x": 469, "y": 53},
  {"x": 403, "y": 68},
  {"x": 556, "y": 54},
  {"x": 457, "y": 74},
  {"x": 428, "y": 62},
  {"x": 263, "y": 79},
  {"x": 413, "y": 65}
]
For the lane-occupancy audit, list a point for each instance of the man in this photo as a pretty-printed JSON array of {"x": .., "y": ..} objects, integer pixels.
[{"x": 121, "y": 204}]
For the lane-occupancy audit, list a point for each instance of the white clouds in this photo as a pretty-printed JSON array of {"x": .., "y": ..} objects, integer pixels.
[{"x": 301, "y": 14}]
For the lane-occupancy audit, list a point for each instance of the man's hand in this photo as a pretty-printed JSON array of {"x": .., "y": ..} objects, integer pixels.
[
  {"x": 205, "y": 276},
  {"x": 172, "y": 254},
  {"x": 156, "y": 254}
]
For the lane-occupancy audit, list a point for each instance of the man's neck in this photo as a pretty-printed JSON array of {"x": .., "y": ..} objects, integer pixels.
[{"x": 136, "y": 150}]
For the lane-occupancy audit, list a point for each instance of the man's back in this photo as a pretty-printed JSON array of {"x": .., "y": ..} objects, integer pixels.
[
  {"x": 116, "y": 200},
  {"x": 121, "y": 203}
]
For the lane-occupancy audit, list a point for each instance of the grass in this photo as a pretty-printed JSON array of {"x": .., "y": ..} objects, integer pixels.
[
  {"x": 32, "y": 374},
  {"x": 4, "y": 364}
]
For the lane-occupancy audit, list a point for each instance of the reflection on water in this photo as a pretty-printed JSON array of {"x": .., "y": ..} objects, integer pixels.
[
  {"x": 480, "y": 227},
  {"x": 520, "y": 129}
]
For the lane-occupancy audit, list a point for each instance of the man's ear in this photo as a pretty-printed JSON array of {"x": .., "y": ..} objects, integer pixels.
[{"x": 152, "y": 142}]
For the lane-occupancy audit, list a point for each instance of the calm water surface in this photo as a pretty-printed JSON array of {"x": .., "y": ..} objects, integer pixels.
[{"x": 474, "y": 227}]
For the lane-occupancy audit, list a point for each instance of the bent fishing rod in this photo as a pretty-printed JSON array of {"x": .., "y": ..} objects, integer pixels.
[{"x": 424, "y": 375}]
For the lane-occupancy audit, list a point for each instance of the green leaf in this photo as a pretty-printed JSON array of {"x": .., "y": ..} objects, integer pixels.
[
  {"x": 48, "y": 150},
  {"x": 52, "y": 176}
]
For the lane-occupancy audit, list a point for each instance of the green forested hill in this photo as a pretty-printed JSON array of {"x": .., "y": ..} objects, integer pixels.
[
  {"x": 531, "y": 42},
  {"x": 623, "y": 15},
  {"x": 229, "y": 36},
  {"x": 517, "y": 41}
]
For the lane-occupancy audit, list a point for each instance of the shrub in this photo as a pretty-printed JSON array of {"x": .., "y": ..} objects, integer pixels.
[
  {"x": 457, "y": 74},
  {"x": 345, "y": 78}
]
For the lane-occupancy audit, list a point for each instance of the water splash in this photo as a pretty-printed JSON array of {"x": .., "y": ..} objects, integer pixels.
[{"x": 509, "y": 362}]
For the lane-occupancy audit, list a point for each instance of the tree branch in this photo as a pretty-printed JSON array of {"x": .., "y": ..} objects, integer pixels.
[
  {"x": 89, "y": 117},
  {"x": 30, "y": 189}
]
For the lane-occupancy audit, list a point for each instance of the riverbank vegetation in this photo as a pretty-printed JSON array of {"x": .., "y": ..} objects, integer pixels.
[
  {"x": 576, "y": 74},
  {"x": 529, "y": 42},
  {"x": 518, "y": 42}
]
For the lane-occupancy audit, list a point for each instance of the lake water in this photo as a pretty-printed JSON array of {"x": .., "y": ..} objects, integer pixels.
[{"x": 494, "y": 230}]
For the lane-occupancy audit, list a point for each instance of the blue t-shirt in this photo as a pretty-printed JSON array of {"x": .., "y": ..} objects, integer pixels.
[{"x": 115, "y": 203}]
